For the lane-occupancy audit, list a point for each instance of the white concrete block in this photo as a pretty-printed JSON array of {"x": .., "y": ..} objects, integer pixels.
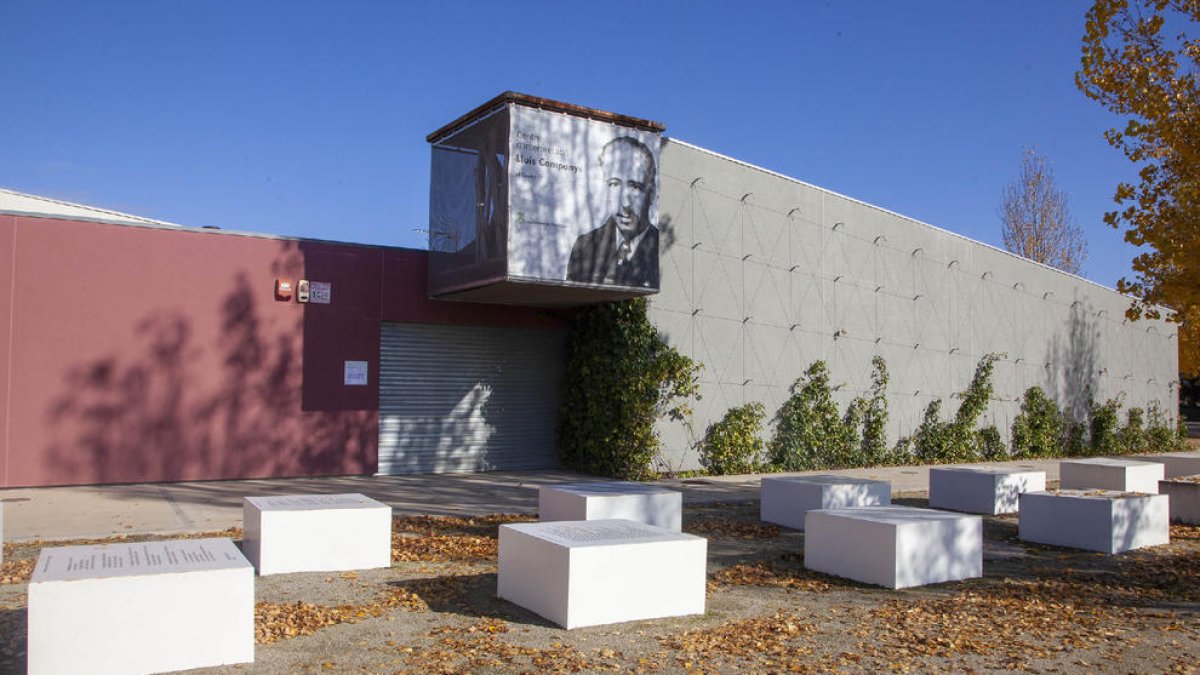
[
  {"x": 981, "y": 489},
  {"x": 1110, "y": 473},
  {"x": 1185, "y": 499},
  {"x": 587, "y": 573},
  {"x": 894, "y": 546},
  {"x": 620, "y": 500},
  {"x": 784, "y": 500},
  {"x": 1178, "y": 463},
  {"x": 316, "y": 533},
  {"x": 140, "y": 608},
  {"x": 1097, "y": 520}
]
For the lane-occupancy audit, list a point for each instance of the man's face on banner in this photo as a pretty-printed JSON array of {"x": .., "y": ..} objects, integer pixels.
[{"x": 627, "y": 187}]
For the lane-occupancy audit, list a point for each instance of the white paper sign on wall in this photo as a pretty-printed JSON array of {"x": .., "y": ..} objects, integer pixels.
[
  {"x": 356, "y": 373},
  {"x": 320, "y": 292}
]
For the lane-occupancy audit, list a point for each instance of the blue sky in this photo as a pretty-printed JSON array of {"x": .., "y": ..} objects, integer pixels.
[{"x": 309, "y": 118}]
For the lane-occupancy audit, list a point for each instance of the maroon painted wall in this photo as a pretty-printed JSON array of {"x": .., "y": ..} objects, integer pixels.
[
  {"x": 7, "y": 271},
  {"x": 141, "y": 354}
]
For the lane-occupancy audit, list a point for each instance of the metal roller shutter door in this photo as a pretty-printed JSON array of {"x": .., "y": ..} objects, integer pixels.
[{"x": 468, "y": 398}]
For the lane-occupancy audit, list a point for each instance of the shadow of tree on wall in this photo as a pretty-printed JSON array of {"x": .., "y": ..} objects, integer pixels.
[
  {"x": 454, "y": 440},
  {"x": 1073, "y": 357},
  {"x": 149, "y": 412}
]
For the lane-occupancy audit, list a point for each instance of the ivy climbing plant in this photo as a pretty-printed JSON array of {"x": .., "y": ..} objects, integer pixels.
[
  {"x": 732, "y": 444},
  {"x": 937, "y": 441},
  {"x": 874, "y": 448},
  {"x": 1040, "y": 428},
  {"x": 621, "y": 377},
  {"x": 811, "y": 434},
  {"x": 807, "y": 426}
]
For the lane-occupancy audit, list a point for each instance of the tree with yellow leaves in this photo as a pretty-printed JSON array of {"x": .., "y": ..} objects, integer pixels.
[{"x": 1141, "y": 58}]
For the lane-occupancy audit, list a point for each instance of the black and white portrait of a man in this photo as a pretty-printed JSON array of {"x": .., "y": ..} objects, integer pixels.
[{"x": 623, "y": 249}]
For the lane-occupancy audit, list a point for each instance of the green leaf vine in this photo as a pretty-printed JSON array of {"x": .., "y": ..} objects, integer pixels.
[{"x": 621, "y": 377}]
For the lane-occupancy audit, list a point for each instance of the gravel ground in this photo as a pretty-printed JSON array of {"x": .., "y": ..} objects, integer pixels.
[{"x": 1037, "y": 608}]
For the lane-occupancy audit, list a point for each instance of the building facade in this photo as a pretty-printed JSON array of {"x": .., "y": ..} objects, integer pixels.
[
  {"x": 135, "y": 350},
  {"x": 765, "y": 274},
  {"x": 132, "y": 350}
]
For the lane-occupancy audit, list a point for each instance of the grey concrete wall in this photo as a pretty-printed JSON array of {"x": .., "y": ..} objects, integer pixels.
[{"x": 763, "y": 274}]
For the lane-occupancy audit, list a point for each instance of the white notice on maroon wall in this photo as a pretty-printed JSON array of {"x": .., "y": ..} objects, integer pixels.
[
  {"x": 320, "y": 292},
  {"x": 356, "y": 373}
]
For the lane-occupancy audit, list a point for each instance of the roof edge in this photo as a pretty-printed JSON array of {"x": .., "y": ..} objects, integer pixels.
[
  {"x": 205, "y": 230},
  {"x": 92, "y": 211},
  {"x": 529, "y": 101}
]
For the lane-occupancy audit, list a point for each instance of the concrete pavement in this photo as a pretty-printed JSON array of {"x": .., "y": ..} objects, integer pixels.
[{"x": 85, "y": 512}]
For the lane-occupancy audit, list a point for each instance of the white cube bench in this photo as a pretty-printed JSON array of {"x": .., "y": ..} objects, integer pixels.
[
  {"x": 620, "y": 500},
  {"x": 316, "y": 533},
  {"x": 894, "y": 546},
  {"x": 1110, "y": 473},
  {"x": 140, "y": 608},
  {"x": 784, "y": 500},
  {"x": 981, "y": 489},
  {"x": 1184, "y": 496},
  {"x": 1177, "y": 463},
  {"x": 1108, "y": 521},
  {"x": 587, "y": 573}
]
